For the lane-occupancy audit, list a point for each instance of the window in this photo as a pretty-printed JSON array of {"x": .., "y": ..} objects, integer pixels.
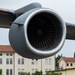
[
  {"x": 18, "y": 60},
  {"x": 49, "y": 69},
  {"x": 22, "y": 61},
  {"x": 71, "y": 64},
  {"x": 32, "y": 71},
  {"x": 0, "y": 54},
  {"x": 0, "y": 60},
  {"x": 7, "y": 61},
  {"x": 46, "y": 61},
  {"x": 49, "y": 61},
  {"x": 10, "y": 71},
  {"x": 7, "y": 71},
  {"x": 18, "y": 73},
  {"x": 10, "y": 60},
  {"x": 36, "y": 62},
  {"x": 11, "y": 54},
  {"x": 20, "y": 70},
  {"x": 32, "y": 61},
  {"x": 7, "y": 54},
  {"x": 46, "y": 69},
  {"x": 67, "y": 64}
]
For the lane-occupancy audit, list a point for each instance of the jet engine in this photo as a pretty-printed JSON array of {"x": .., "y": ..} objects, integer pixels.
[{"x": 37, "y": 33}]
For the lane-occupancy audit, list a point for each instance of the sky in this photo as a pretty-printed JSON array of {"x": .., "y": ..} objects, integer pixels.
[{"x": 65, "y": 8}]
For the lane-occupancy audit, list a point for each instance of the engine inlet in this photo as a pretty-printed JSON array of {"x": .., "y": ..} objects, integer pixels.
[{"x": 43, "y": 31}]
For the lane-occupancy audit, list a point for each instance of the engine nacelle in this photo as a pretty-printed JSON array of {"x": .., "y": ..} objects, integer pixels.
[{"x": 38, "y": 33}]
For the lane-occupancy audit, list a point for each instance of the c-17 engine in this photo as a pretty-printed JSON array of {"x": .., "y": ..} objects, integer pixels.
[{"x": 37, "y": 33}]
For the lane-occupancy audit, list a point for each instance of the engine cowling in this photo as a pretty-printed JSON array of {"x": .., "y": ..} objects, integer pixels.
[{"x": 38, "y": 33}]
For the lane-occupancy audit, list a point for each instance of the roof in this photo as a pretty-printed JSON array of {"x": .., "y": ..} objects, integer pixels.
[
  {"x": 6, "y": 48},
  {"x": 67, "y": 59},
  {"x": 61, "y": 70}
]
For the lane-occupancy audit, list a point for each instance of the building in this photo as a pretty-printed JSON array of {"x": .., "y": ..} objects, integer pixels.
[
  {"x": 66, "y": 62},
  {"x": 69, "y": 71},
  {"x": 12, "y": 63}
]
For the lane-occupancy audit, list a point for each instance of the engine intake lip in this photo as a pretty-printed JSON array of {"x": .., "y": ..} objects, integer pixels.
[{"x": 60, "y": 39}]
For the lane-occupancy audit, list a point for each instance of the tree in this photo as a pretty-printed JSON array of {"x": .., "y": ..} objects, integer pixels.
[
  {"x": 57, "y": 58},
  {"x": 0, "y": 72},
  {"x": 28, "y": 73},
  {"x": 37, "y": 73},
  {"x": 21, "y": 73}
]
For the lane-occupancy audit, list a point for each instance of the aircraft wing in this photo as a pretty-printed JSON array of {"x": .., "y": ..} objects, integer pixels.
[
  {"x": 6, "y": 18},
  {"x": 70, "y": 31}
]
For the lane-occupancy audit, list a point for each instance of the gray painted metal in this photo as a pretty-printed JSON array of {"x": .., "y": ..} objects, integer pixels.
[
  {"x": 19, "y": 39},
  {"x": 8, "y": 16},
  {"x": 27, "y": 8},
  {"x": 70, "y": 31}
]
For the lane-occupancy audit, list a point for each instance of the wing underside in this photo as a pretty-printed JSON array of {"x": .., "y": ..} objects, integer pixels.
[
  {"x": 6, "y": 18},
  {"x": 70, "y": 31}
]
